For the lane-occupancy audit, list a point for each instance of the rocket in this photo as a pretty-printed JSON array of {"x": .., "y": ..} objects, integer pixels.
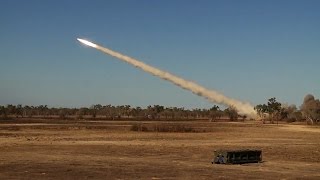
[
  {"x": 211, "y": 95},
  {"x": 88, "y": 43}
]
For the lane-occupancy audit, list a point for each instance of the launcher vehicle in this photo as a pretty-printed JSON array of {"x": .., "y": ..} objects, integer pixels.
[{"x": 237, "y": 156}]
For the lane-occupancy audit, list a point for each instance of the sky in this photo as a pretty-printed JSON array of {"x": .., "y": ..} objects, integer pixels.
[{"x": 250, "y": 50}]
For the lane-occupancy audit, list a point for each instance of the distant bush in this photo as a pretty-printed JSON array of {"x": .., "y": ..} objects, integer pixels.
[
  {"x": 161, "y": 128},
  {"x": 138, "y": 127},
  {"x": 290, "y": 120},
  {"x": 6, "y": 118},
  {"x": 172, "y": 128}
]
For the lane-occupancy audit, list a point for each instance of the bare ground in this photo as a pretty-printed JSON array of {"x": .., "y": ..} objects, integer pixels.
[{"x": 109, "y": 150}]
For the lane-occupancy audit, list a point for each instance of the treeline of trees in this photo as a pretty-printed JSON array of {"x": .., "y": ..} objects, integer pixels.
[
  {"x": 275, "y": 111},
  {"x": 271, "y": 111},
  {"x": 110, "y": 112}
]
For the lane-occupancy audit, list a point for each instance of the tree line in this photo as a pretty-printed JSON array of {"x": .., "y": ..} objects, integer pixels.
[
  {"x": 273, "y": 111},
  {"x": 110, "y": 112}
]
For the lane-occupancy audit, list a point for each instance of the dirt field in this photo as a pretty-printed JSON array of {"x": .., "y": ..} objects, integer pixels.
[{"x": 43, "y": 149}]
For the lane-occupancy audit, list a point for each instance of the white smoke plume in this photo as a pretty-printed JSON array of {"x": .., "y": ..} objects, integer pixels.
[{"x": 211, "y": 95}]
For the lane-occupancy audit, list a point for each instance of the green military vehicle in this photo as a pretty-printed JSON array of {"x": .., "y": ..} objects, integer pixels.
[{"x": 237, "y": 156}]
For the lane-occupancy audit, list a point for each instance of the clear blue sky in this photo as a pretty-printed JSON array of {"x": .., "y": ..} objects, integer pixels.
[{"x": 248, "y": 50}]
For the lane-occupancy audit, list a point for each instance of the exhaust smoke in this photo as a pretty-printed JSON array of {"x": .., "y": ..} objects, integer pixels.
[{"x": 211, "y": 95}]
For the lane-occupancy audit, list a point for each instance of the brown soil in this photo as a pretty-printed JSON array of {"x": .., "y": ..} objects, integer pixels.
[{"x": 43, "y": 149}]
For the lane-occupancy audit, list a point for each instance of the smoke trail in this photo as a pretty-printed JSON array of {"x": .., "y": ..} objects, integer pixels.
[{"x": 213, "y": 96}]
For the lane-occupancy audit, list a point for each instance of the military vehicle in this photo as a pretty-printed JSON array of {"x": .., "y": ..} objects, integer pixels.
[{"x": 237, "y": 156}]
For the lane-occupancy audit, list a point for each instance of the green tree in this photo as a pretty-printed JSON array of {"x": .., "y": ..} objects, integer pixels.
[
  {"x": 272, "y": 109},
  {"x": 262, "y": 110}
]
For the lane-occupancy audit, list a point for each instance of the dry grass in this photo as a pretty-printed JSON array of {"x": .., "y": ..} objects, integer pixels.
[
  {"x": 162, "y": 127},
  {"x": 110, "y": 150}
]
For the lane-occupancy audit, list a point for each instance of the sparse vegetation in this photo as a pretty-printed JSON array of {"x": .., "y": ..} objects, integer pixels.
[
  {"x": 163, "y": 127},
  {"x": 232, "y": 113},
  {"x": 273, "y": 111},
  {"x": 45, "y": 149},
  {"x": 311, "y": 109},
  {"x": 109, "y": 112}
]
